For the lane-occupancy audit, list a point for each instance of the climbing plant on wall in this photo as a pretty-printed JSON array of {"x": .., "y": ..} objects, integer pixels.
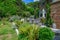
[{"x": 48, "y": 17}]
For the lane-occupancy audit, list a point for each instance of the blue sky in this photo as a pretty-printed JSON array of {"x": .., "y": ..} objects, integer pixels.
[{"x": 28, "y": 1}]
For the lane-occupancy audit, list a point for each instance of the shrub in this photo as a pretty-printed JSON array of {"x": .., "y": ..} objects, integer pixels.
[
  {"x": 18, "y": 23},
  {"x": 43, "y": 20},
  {"x": 28, "y": 32},
  {"x": 46, "y": 34},
  {"x": 33, "y": 32}
]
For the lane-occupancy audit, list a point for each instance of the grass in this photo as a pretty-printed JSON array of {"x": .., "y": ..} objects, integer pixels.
[{"x": 6, "y": 31}]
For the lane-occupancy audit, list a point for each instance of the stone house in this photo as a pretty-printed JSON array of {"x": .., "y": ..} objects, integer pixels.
[{"x": 55, "y": 12}]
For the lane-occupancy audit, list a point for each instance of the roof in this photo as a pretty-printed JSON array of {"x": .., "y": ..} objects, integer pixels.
[{"x": 55, "y": 1}]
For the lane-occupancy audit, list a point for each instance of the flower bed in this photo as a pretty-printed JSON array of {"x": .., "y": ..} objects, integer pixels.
[{"x": 34, "y": 32}]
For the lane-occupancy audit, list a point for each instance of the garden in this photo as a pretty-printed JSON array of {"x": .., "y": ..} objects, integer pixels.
[
  {"x": 34, "y": 32},
  {"x": 13, "y": 28},
  {"x": 27, "y": 31}
]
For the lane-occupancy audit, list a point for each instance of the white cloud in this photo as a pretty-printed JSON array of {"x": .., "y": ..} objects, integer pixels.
[{"x": 36, "y": 0}]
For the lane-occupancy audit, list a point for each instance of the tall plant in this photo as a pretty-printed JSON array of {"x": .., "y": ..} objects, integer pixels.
[{"x": 49, "y": 21}]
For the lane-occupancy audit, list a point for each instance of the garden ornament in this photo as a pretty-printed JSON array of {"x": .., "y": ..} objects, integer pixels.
[{"x": 15, "y": 28}]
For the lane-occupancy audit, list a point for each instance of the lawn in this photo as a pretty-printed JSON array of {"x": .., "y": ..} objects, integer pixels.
[{"x": 6, "y": 31}]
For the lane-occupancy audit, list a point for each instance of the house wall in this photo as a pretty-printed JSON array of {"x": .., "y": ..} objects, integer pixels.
[{"x": 55, "y": 13}]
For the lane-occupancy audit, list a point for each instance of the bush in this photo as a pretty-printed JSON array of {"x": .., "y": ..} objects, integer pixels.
[
  {"x": 28, "y": 32},
  {"x": 46, "y": 34},
  {"x": 18, "y": 23},
  {"x": 33, "y": 32}
]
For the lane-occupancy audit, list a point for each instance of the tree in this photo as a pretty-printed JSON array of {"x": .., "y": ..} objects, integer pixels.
[
  {"x": 17, "y": 7},
  {"x": 35, "y": 6},
  {"x": 7, "y": 7},
  {"x": 23, "y": 9}
]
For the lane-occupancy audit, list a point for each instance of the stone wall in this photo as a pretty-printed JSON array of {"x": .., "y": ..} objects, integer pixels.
[{"x": 55, "y": 13}]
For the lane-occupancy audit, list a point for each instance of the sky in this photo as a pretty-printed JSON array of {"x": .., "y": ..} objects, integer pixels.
[{"x": 28, "y": 1}]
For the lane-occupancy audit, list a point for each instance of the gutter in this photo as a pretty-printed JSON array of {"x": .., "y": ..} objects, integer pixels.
[
  {"x": 55, "y": 2},
  {"x": 56, "y": 30}
]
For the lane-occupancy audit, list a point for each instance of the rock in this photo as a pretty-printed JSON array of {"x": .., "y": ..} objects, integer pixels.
[{"x": 14, "y": 18}]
